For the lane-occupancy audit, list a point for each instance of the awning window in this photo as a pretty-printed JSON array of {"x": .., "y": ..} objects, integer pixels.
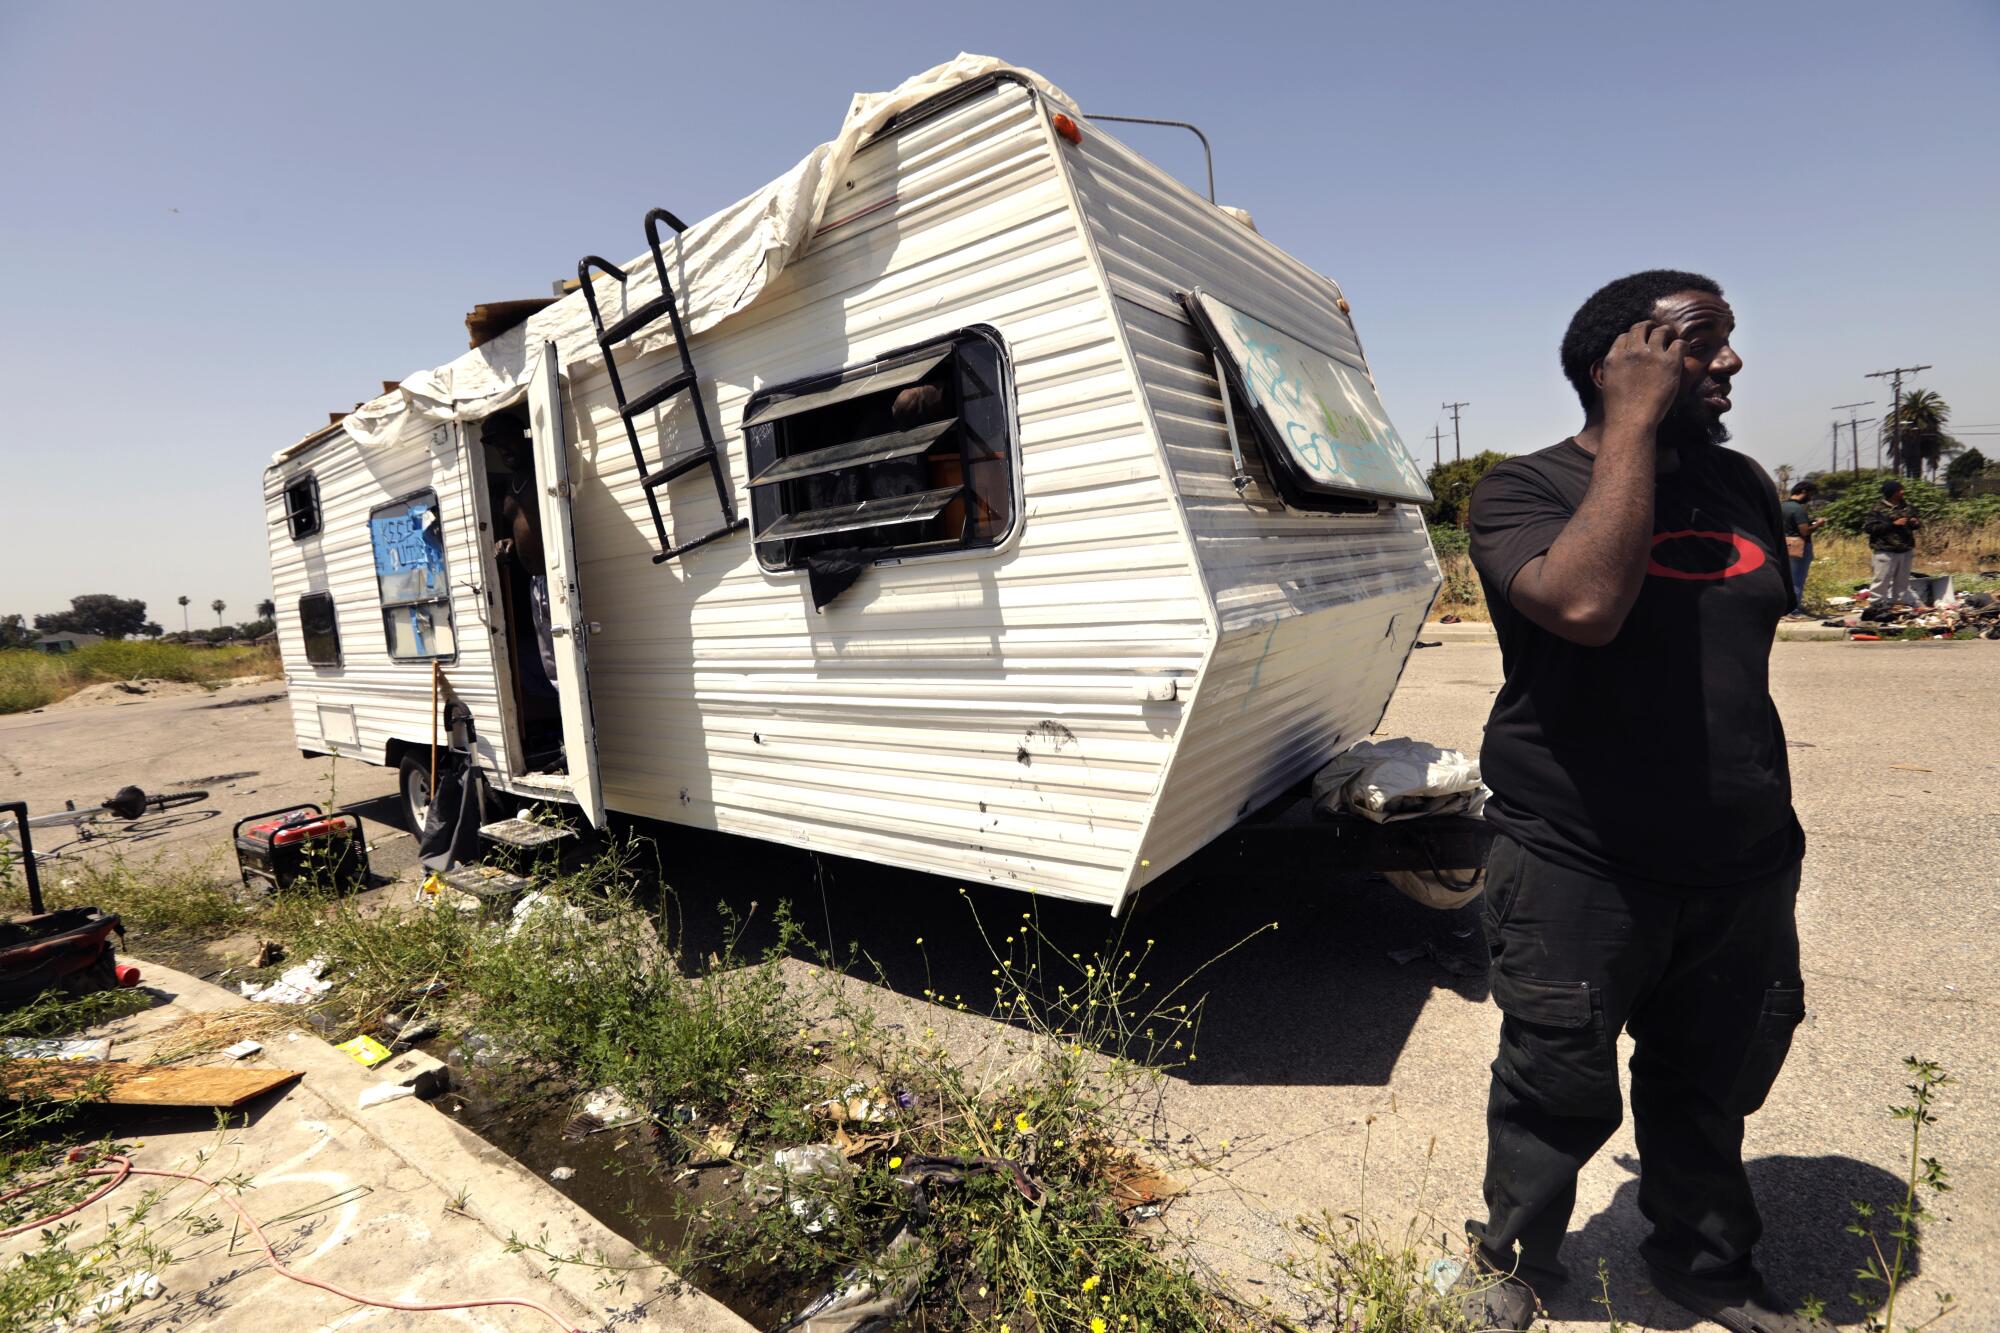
[{"x": 1321, "y": 426}]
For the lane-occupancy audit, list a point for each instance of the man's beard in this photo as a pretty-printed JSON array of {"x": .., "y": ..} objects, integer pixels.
[{"x": 1691, "y": 426}]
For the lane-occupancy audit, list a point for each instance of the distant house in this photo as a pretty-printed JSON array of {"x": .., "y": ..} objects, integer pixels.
[{"x": 65, "y": 642}]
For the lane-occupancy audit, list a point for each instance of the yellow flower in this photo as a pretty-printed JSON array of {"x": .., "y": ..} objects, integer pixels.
[
  {"x": 895, "y": 1162},
  {"x": 1022, "y": 1125},
  {"x": 1090, "y": 1283},
  {"x": 1097, "y": 1323}
]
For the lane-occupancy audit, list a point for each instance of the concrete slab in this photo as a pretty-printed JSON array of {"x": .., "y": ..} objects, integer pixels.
[{"x": 396, "y": 1201}]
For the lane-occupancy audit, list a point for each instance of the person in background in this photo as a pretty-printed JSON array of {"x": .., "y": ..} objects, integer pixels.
[
  {"x": 1799, "y": 525},
  {"x": 1892, "y": 537}
]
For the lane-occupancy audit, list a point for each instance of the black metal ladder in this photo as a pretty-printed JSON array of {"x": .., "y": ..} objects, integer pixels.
[{"x": 709, "y": 451}]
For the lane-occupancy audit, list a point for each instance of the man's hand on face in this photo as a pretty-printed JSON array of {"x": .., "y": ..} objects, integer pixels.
[{"x": 1641, "y": 376}]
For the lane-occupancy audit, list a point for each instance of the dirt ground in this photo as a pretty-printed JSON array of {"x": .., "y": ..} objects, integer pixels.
[{"x": 1339, "y": 1078}]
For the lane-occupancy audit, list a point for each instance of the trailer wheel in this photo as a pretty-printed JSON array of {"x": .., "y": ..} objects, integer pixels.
[{"x": 415, "y": 780}]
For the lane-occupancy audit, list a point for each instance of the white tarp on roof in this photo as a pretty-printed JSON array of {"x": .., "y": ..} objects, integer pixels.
[{"x": 718, "y": 266}]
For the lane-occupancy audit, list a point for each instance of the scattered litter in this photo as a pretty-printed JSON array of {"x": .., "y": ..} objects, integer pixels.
[
  {"x": 856, "y": 1102},
  {"x": 478, "y": 1050},
  {"x": 377, "y": 1093},
  {"x": 138, "y": 1287},
  {"x": 1429, "y": 643},
  {"x": 1442, "y": 1273},
  {"x": 562, "y": 1173},
  {"x": 365, "y": 1049},
  {"x": 1840, "y": 601},
  {"x": 1140, "y": 1188},
  {"x": 55, "y": 1048},
  {"x": 1909, "y": 768},
  {"x": 538, "y": 904},
  {"x": 409, "y": 1031},
  {"x": 791, "y": 1169},
  {"x": 602, "y": 1110},
  {"x": 243, "y": 1050},
  {"x": 296, "y": 985}
]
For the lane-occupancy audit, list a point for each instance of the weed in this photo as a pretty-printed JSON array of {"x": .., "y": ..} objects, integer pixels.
[
  {"x": 1892, "y": 1244},
  {"x": 174, "y": 900}
]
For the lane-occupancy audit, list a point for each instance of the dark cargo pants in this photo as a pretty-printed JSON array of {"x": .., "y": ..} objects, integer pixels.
[{"x": 1708, "y": 983}]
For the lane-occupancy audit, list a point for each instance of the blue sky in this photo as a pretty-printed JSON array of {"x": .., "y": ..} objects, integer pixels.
[{"x": 219, "y": 222}]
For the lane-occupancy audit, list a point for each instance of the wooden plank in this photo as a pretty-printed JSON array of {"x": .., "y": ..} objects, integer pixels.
[{"x": 125, "y": 1084}]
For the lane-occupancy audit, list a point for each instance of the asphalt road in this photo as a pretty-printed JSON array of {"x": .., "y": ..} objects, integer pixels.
[{"x": 1343, "y": 1080}]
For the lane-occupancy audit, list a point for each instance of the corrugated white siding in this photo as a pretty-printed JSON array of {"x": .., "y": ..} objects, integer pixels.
[
  {"x": 390, "y": 700},
  {"x": 1316, "y": 612},
  {"x": 972, "y": 715}
]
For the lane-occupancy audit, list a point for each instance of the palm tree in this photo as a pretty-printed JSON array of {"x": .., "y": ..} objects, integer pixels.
[
  {"x": 184, "y": 600},
  {"x": 218, "y": 606},
  {"x": 267, "y": 610},
  {"x": 1921, "y": 416}
]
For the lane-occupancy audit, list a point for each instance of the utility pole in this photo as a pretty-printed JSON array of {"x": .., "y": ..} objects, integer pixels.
[
  {"x": 1456, "y": 452},
  {"x": 1437, "y": 445},
  {"x": 1895, "y": 378},
  {"x": 1853, "y": 427}
]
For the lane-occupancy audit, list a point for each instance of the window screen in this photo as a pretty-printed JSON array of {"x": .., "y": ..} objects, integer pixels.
[
  {"x": 1322, "y": 429},
  {"x": 912, "y": 454},
  {"x": 302, "y": 507},
  {"x": 321, "y": 629},
  {"x": 409, "y": 569}
]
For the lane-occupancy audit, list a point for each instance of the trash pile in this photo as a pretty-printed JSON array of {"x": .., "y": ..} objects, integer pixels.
[{"x": 1974, "y": 615}]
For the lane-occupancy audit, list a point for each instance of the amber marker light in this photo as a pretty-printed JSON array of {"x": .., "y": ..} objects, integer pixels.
[{"x": 1066, "y": 127}]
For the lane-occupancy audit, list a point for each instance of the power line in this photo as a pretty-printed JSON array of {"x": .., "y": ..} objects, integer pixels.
[
  {"x": 1456, "y": 452},
  {"x": 1895, "y": 377}
]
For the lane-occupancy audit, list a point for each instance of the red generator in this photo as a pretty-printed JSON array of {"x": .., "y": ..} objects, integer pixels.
[{"x": 279, "y": 847}]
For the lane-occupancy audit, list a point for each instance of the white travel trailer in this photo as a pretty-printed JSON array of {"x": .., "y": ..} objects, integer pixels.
[{"x": 979, "y": 500}]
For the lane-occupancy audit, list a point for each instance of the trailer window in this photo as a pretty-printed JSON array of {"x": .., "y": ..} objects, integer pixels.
[
  {"x": 302, "y": 507},
  {"x": 408, "y": 539},
  {"x": 1316, "y": 417},
  {"x": 910, "y": 454},
  {"x": 320, "y": 628}
]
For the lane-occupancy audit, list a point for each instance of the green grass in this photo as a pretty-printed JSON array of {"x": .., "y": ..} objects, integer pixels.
[
  {"x": 30, "y": 679},
  {"x": 159, "y": 899}
]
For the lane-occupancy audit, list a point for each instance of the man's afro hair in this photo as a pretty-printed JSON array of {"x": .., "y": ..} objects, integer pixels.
[{"x": 1610, "y": 311}]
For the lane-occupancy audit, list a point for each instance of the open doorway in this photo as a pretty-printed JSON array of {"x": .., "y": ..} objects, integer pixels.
[{"x": 521, "y": 573}]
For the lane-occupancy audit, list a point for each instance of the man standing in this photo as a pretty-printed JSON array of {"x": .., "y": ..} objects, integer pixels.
[
  {"x": 1648, "y": 860},
  {"x": 1892, "y": 537},
  {"x": 1799, "y": 524}
]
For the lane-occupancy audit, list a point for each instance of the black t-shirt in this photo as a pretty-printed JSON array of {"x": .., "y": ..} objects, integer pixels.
[{"x": 1658, "y": 757}]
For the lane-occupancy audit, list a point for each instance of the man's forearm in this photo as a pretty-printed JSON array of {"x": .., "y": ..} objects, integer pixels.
[{"x": 1586, "y": 584}]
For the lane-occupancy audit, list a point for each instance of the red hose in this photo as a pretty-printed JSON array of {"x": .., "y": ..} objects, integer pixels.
[{"x": 123, "y": 1168}]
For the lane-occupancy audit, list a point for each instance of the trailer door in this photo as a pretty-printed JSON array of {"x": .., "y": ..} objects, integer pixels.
[{"x": 567, "y": 624}]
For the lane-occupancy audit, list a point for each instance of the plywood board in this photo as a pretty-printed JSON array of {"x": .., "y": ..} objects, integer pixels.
[{"x": 124, "y": 1084}]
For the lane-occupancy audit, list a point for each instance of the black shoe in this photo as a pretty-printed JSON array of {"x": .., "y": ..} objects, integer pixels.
[
  {"x": 1759, "y": 1312},
  {"x": 1494, "y": 1301}
]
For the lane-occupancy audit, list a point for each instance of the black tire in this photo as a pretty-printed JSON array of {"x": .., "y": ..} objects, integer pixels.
[{"x": 414, "y": 782}]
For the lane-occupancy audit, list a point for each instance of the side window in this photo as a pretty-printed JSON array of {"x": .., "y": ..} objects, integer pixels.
[
  {"x": 912, "y": 454},
  {"x": 321, "y": 629},
  {"x": 408, "y": 539},
  {"x": 302, "y": 507}
]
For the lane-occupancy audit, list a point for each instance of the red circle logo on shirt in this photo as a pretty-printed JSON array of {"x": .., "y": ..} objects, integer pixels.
[{"x": 1690, "y": 546}]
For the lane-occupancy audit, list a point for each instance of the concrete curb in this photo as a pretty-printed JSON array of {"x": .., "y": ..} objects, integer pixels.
[
  {"x": 1475, "y": 631},
  {"x": 505, "y": 1198}
]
